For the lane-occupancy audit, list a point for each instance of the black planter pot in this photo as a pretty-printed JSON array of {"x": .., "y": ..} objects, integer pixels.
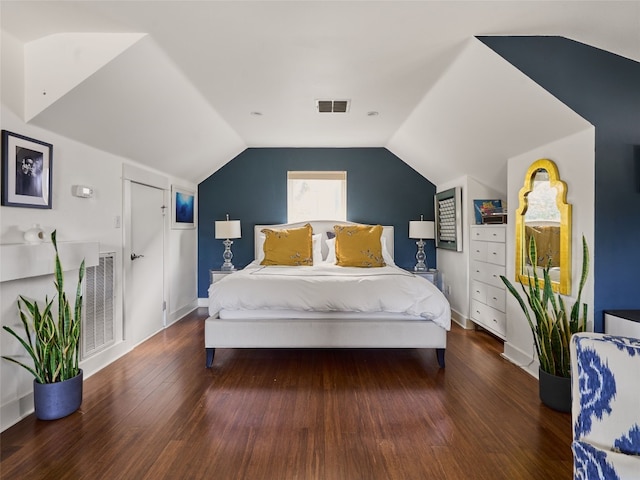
[
  {"x": 56, "y": 400},
  {"x": 555, "y": 392}
]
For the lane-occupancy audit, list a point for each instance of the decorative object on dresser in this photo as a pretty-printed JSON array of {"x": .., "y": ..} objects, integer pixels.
[
  {"x": 57, "y": 377},
  {"x": 489, "y": 212},
  {"x": 552, "y": 329},
  {"x": 421, "y": 230},
  {"x": 227, "y": 229},
  {"x": 488, "y": 298}
]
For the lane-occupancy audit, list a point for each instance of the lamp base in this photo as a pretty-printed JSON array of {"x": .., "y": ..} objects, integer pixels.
[
  {"x": 227, "y": 255},
  {"x": 421, "y": 266}
]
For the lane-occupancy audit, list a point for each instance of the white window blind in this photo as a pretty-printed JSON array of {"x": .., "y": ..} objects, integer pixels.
[{"x": 316, "y": 195}]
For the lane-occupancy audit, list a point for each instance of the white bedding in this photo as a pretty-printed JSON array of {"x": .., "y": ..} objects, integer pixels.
[{"x": 330, "y": 288}]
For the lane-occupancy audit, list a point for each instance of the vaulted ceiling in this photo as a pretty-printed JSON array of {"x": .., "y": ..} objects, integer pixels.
[{"x": 184, "y": 86}]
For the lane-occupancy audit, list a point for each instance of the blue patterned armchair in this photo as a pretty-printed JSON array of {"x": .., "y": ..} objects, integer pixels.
[{"x": 605, "y": 389}]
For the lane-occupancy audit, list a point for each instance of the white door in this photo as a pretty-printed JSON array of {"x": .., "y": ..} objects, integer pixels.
[{"x": 144, "y": 286}]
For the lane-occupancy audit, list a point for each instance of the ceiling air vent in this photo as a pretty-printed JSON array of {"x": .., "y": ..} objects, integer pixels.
[{"x": 332, "y": 106}]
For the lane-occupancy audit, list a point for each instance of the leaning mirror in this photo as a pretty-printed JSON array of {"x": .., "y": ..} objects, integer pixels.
[{"x": 543, "y": 212}]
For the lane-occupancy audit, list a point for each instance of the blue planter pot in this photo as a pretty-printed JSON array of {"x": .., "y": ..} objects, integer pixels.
[
  {"x": 555, "y": 392},
  {"x": 57, "y": 400}
]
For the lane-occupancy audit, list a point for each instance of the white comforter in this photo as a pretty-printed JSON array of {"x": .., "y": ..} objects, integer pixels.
[{"x": 330, "y": 288}]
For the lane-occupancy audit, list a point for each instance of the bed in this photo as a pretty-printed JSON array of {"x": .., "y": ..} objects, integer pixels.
[{"x": 324, "y": 305}]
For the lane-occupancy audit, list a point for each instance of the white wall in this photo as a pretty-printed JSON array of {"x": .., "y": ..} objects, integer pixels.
[
  {"x": 575, "y": 157},
  {"x": 77, "y": 219},
  {"x": 454, "y": 266}
]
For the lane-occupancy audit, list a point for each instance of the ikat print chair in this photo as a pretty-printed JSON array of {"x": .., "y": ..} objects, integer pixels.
[{"x": 605, "y": 376}]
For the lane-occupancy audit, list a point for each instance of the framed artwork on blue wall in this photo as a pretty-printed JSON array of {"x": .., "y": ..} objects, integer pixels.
[
  {"x": 26, "y": 171},
  {"x": 183, "y": 208}
]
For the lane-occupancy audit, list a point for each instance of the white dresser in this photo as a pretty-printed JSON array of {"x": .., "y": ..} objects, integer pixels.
[{"x": 488, "y": 293}]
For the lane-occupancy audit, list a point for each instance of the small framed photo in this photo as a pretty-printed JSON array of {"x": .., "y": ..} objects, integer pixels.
[
  {"x": 26, "y": 171},
  {"x": 183, "y": 207}
]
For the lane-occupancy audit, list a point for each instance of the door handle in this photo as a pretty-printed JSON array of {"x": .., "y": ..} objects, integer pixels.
[{"x": 134, "y": 256}]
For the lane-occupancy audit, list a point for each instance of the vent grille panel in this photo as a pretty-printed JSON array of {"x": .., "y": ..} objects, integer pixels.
[
  {"x": 98, "y": 329},
  {"x": 333, "y": 106}
]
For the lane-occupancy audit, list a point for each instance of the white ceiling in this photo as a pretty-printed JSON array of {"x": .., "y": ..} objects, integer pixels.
[{"x": 180, "y": 96}]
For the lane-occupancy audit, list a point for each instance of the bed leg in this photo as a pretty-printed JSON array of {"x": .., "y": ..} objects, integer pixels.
[
  {"x": 210, "y": 353},
  {"x": 440, "y": 355}
]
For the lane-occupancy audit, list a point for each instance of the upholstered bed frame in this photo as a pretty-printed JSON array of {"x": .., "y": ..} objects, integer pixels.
[{"x": 365, "y": 332}]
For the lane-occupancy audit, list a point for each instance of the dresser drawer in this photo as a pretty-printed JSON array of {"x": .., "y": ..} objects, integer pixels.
[
  {"x": 479, "y": 250},
  {"x": 496, "y": 253},
  {"x": 496, "y": 298},
  {"x": 489, "y": 234},
  {"x": 479, "y": 291},
  {"x": 489, "y": 318},
  {"x": 487, "y": 273}
]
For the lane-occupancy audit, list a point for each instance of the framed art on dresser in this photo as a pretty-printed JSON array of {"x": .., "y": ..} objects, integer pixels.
[{"x": 26, "y": 171}]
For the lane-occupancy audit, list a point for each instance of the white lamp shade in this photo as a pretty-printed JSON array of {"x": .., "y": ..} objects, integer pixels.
[
  {"x": 228, "y": 229},
  {"x": 421, "y": 229}
]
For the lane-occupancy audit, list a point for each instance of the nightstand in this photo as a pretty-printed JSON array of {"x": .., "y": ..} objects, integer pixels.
[
  {"x": 432, "y": 275},
  {"x": 217, "y": 275}
]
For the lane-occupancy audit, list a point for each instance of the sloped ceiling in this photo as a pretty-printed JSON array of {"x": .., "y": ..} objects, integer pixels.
[{"x": 183, "y": 96}]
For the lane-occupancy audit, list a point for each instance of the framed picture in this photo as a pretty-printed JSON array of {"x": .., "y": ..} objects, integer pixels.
[
  {"x": 183, "y": 207},
  {"x": 448, "y": 205},
  {"x": 486, "y": 207},
  {"x": 26, "y": 171}
]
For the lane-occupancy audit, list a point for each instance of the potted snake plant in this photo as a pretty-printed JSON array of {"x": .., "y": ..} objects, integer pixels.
[
  {"x": 52, "y": 339},
  {"x": 552, "y": 326}
]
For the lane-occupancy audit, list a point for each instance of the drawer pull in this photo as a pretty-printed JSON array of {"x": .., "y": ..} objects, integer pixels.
[
  {"x": 495, "y": 298},
  {"x": 478, "y": 312}
]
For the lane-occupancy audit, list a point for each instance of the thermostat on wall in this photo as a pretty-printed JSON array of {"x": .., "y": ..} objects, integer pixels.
[{"x": 82, "y": 191}]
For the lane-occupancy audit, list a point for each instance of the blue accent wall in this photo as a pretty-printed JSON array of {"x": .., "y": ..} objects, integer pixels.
[
  {"x": 252, "y": 188},
  {"x": 603, "y": 88}
]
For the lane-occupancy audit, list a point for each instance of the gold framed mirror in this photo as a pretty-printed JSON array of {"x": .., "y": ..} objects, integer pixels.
[{"x": 543, "y": 212}]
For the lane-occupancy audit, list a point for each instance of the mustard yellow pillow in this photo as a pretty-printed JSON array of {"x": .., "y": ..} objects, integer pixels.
[
  {"x": 359, "y": 245},
  {"x": 288, "y": 246}
]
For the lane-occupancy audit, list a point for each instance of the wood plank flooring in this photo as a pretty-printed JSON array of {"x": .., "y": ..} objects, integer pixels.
[{"x": 158, "y": 413}]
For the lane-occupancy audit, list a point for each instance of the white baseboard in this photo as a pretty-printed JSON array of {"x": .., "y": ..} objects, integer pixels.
[
  {"x": 15, "y": 410},
  {"x": 203, "y": 302},
  {"x": 461, "y": 320},
  {"x": 182, "y": 311},
  {"x": 521, "y": 359}
]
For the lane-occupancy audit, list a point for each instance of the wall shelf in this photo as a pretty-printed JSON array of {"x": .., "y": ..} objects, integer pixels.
[{"x": 21, "y": 260}]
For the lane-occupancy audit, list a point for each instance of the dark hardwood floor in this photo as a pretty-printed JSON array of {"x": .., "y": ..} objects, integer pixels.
[{"x": 158, "y": 413}]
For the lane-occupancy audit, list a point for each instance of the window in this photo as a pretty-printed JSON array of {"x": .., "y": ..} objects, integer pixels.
[{"x": 316, "y": 196}]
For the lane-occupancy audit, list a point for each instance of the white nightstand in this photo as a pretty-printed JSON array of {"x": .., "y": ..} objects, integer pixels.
[
  {"x": 217, "y": 275},
  {"x": 432, "y": 275}
]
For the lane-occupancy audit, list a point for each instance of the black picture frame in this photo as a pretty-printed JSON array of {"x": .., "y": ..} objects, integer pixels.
[{"x": 27, "y": 171}]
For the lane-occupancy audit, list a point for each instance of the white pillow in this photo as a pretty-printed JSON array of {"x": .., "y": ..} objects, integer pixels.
[
  {"x": 331, "y": 255},
  {"x": 317, "y": 248}
]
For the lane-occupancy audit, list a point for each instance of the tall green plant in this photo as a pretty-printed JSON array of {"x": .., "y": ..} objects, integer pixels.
[
  {"x": 52, "y": 343},
  {"x": 552, "y": 328}
]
